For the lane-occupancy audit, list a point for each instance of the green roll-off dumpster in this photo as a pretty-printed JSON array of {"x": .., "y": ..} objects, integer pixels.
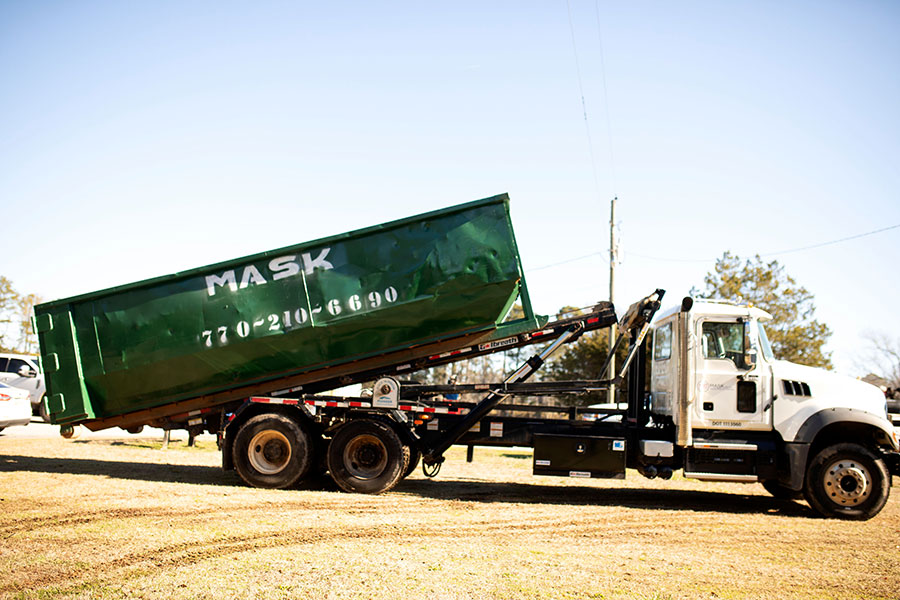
[{"x": 255, "y": 324}]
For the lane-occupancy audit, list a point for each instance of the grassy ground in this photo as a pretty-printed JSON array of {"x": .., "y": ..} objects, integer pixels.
[{"x": 106, "y": 519}]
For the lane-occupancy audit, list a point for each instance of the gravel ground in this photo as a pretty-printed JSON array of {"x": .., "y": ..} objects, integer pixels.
[{"x": 104, "y": 518}]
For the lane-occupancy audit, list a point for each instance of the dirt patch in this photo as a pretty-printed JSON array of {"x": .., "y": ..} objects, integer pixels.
[{"x": 103, "y": 519}]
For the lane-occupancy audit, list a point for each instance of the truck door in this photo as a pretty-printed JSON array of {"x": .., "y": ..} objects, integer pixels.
[{"x": 731, "y": 381}]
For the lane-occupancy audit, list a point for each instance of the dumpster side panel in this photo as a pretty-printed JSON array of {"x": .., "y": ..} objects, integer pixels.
[{"x": 292, "y": 310}]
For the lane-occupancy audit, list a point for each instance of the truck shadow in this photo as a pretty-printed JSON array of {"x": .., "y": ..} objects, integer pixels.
[
  {"x": 647, "y": 499},
  {"x": 448, "y": 489}
]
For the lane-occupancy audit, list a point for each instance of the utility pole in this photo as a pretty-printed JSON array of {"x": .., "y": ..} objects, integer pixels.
[{"x": 613, "y": 255}]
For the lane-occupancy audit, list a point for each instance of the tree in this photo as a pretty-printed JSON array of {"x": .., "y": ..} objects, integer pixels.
[
  {"x": 16, "y": 333},
  {"x": 794, "y": 332},
  {"x": 9, "y": 300},
  {"x": 583, "y": 359},
  {"x": 28, "y": 342},
  {"x": 883, "y": 356},
  {"x": 488, "y": 368}
]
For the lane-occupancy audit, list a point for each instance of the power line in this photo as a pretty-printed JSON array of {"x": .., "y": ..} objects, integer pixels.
[
  {"x": 671, "y": 260},
  {"x": 777, "y": 253},
  {"x": 569, "y": 260},
  {"x": 612, "y": 160},
  {"x": 706, "y": 260},
  {"x": 587, "y": 126},
  {"x": 846, "y": 239}
]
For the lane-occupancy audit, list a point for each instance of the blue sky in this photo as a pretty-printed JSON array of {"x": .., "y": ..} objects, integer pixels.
[{"x": 138, "y": 139}]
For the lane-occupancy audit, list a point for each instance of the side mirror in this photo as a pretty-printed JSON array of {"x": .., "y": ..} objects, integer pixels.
[
  {"x": 750, "y": 360},
  {"x": 26, "y": 371}
]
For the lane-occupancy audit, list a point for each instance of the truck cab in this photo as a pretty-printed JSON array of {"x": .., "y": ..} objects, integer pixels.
[{"x": 743, "y": 415}]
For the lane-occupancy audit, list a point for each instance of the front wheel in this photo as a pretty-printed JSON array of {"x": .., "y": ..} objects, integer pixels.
[
  {"x": 367, "y": 457},
  {"x": 272, "y": 451},
  {"x": 847, "y": 481}
]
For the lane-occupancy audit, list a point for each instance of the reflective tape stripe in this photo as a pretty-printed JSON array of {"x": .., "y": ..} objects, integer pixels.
[
  {"x": 358, "y": 404},
  {"x": 446, "y": 354},
  {"x": 261, "y": 400},
  {"x": 335, "y": 404}
]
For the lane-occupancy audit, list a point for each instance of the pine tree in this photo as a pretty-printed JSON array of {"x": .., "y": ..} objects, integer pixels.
[{"x": 794, "y": 332}]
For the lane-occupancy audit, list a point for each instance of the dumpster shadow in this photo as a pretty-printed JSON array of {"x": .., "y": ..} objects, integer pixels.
[
  {"x": 448, "y": 489},
  {"x": 646, "y": 499},
  {"x": 196, "y": 474}
]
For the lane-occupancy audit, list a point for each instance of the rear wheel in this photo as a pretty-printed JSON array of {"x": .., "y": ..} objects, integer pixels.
[
  {"x": 272, "y": 451},
  {"x": 414, "y": 456},
  {"x": 367, "y": 457},
  {"x": 847, "y": 481}
]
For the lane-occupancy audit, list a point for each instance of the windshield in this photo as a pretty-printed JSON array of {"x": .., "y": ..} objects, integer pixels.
[{"x": 764, "y": 343}]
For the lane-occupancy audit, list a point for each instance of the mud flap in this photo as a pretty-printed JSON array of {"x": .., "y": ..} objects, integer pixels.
[{"x": 892, "y": 459}]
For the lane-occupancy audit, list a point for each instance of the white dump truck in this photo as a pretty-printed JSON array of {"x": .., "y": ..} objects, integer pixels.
[
  {"x": 719, "y": 406},
  {"x": 243, "y": 349}
]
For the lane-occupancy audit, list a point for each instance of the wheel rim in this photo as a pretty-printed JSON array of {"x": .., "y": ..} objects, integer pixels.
[
  {"x": 269, "y": 452},
  {"x": 365, "y": 457},
  {"x": 847, "y": 482}
]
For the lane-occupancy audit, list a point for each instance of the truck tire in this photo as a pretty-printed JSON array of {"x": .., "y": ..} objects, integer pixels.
[
  {"x": 847, "y": 481},
  {"x": 780, "y": 491},
  {"x": 414, "y": 456},
  {"x": 367, "y": 457},
  {"x": 272, "y": 451}
]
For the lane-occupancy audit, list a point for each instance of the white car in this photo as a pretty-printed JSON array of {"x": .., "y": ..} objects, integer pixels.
[
  {"x": 15, "y": 406},
  {"x": 23, "y": 371}
]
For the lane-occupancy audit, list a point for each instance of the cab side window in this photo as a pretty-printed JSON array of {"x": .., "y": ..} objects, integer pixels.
[{"x": 662, "y": 343}]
